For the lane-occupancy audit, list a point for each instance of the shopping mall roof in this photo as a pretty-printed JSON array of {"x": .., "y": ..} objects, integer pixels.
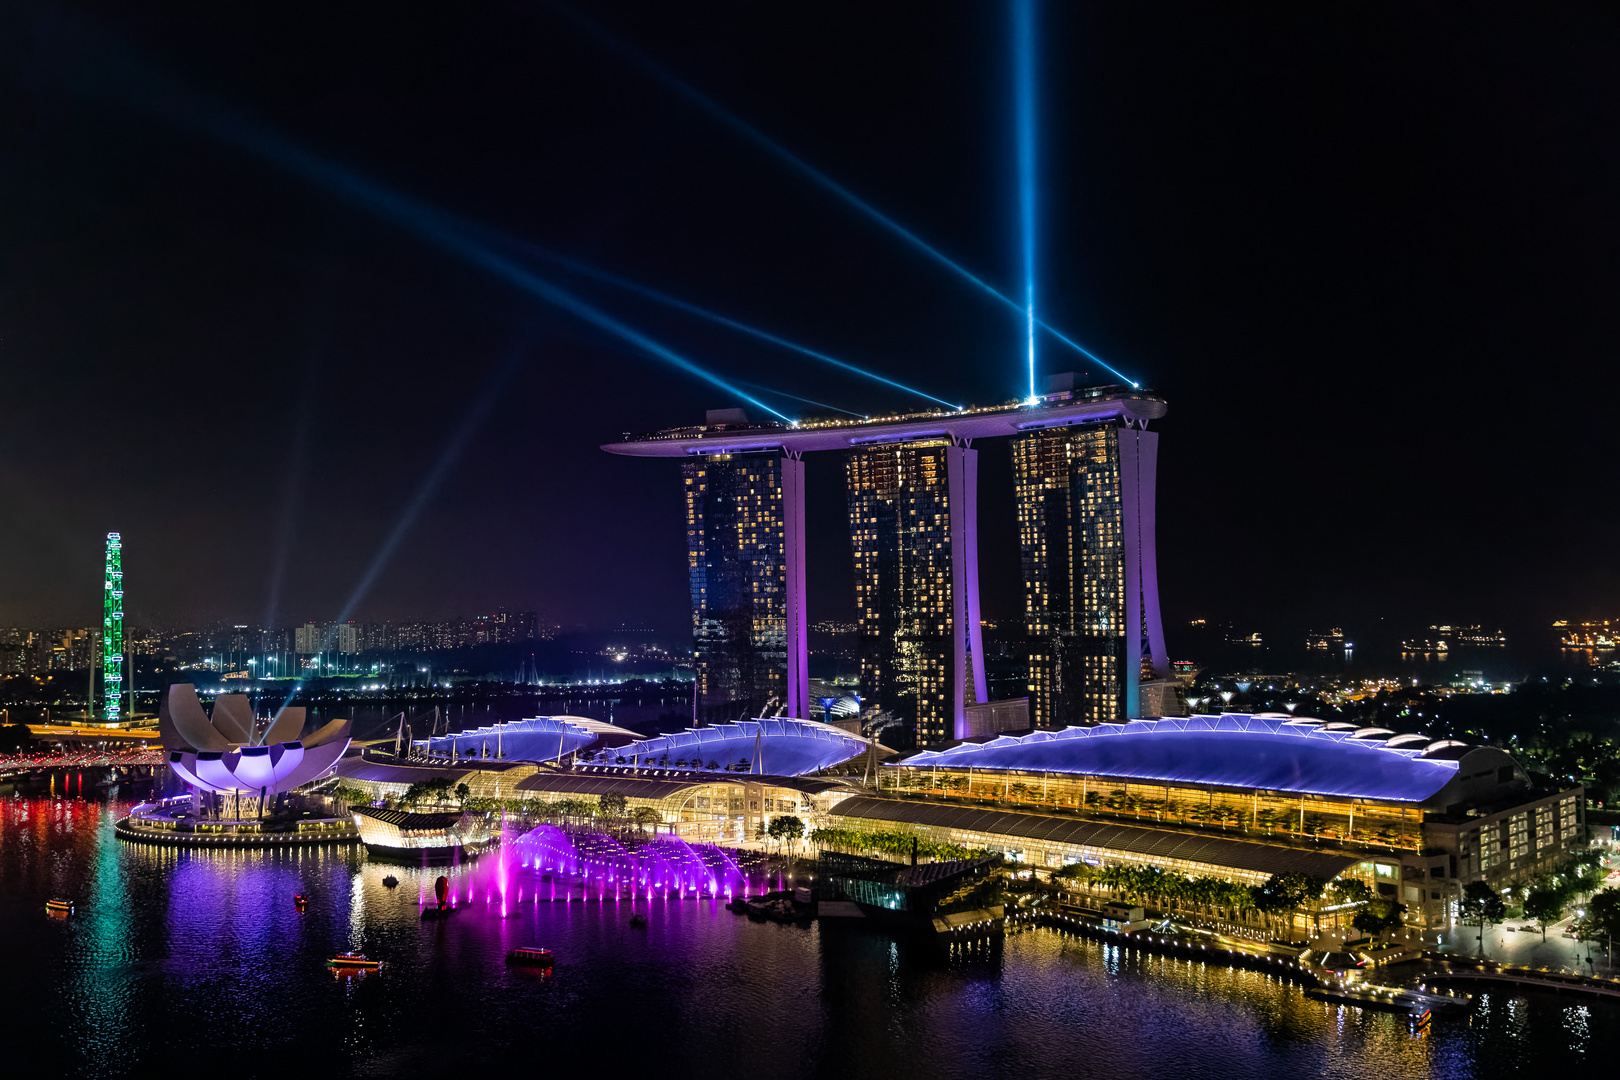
[
  {"x": 395, "y": 771},
  {"x": 538, "y": 738},
  {"x": 659, "y": 783},
  {"x": 1247, "y": 752},
  {"x": 1155, "y": 844},
  {"x": 776, "y": 745}
]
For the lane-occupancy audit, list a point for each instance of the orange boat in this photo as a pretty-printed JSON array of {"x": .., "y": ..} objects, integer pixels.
[
  {"x": 63, "y": 906},
  {"x": 530, "y": 956},
  {"x": 354, "y": 961}
]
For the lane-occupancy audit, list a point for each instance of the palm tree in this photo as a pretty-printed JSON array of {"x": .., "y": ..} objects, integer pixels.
[{"x": 644, "y": 816}]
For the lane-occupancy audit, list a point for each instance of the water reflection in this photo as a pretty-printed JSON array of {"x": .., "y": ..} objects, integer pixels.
[{"x": 171, "y": 955}]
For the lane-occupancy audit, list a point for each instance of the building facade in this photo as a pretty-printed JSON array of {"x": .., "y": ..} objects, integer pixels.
[
  {"x": 1091, "y": 606},
  {"x": 1420, "y": 817},
  {"x": 912, "y": 493},
  {"x": 913, "y": 535},
  {"x": 738, "y": 564}
]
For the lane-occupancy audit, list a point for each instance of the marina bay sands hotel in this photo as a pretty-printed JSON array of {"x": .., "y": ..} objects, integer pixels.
[{"x": 1084, "y": 464}]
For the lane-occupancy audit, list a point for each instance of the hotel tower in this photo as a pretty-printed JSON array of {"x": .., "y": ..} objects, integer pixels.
[{"x": 1084, "y": 465}]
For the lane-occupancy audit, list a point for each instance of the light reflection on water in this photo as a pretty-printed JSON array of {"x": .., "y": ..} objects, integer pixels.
[{"x": 173, "y": 955}]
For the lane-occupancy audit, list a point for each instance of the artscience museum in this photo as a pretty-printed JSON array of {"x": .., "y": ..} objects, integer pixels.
[{"x": 231, "y": 752}]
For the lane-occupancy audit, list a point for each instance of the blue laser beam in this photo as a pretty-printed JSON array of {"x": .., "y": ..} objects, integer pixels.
[
  {"x": 159, "y": 95},
  {"x": 782, "y": 154},
  {"x": 483, "y": 401},
  {"x": 1023, "y": 35},
  {"x": 807, "y": 401},
  {"x": 473, "y": 418},
  {"x": 587, "y": 270},
  {"x": 440, "y": 228}
]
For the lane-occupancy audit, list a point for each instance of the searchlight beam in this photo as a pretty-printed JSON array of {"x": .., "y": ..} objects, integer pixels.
[
  {"x": 587, "y": 270},
  {"x": 752, "y": 134}
]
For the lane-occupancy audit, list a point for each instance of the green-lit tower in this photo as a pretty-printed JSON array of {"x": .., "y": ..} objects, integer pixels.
[{"x": 112, "y": 631}]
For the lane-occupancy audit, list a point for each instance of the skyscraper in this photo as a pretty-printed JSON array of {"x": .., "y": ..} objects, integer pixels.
[
  {"x": 738, "y": 561},
  {"x": 1091, "y": 595},
  {"x": 912, "y": 528},
  {"x": 112, "y": 631},
  {"x": 912, "y": 490}
]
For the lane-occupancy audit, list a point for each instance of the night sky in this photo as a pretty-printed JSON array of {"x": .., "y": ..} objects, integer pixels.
[{"x": 1368, "y": 253}]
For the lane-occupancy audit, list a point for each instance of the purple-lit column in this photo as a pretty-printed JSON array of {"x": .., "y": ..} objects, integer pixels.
[
  {"x": 1147, "y": 547},
  {"x": 798, "y": 650},
  {"x": 967, "y": 636},
  {"x": 1138, "y": 464}
]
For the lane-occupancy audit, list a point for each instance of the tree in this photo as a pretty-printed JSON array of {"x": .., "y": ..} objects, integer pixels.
[
  {"x": 613, "y": 805},
  {"x": 1351, "y": 891},
  {"x": 350, "y": 795},
  {"x": 644, "y": 816},
  {"x": 1288, "y": 893},
  {"x": 787, "y": 828},
  {"x": 462, "y": 791},
  {"x": 1545, "y": 904},
  {"x": 1587, "y": 878},
  {"x": 1604, "y": 912},
  {"x": 1378, "y": 917},
  {"x": 1482, "y": 906}
]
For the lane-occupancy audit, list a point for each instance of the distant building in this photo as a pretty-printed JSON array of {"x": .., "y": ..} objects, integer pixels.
[
  {"x": 310, "y": 639},
  {"x": 1091, "y": 599},
  {"x": 736, "y": 561}
]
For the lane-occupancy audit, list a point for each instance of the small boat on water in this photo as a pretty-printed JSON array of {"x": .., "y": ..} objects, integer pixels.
[
  {"x": 390, "y": 881},
  {"x": 300, "y": 901},
  {"x": 63, "y": 906},
  {"x": 354, "y": 961},
  {"x": 530, "y": 956}
]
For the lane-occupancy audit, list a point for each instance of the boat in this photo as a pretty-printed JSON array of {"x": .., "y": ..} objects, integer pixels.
[
  {"x": 300, "y": 901},
  {"x": 63, "y": 906},
  {"x": 354, "y": 961},
  {"x": 530, "y": 956},
  {"x": 390, "y": 881},
  {"x": 638, "y": 920}
]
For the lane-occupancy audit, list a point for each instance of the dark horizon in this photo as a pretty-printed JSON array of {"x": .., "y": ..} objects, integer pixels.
[{"x": 1367, "y": 260}]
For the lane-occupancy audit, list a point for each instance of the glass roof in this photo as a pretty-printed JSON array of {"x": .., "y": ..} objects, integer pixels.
[
  {"x": 785, "y": 747},
  {"x": 1234, "y": 750}
]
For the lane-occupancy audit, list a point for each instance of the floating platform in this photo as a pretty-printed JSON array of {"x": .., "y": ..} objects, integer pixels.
[
  {"x": 1412, "y": 1003},
  {"x": 530, "y": 956}
]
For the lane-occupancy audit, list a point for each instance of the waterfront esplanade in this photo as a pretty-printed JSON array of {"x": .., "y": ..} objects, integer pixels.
[{"x": 957, "y": 675}]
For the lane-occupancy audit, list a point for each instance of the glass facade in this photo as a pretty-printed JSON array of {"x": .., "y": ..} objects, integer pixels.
[
  {"x": 1367, "y": 821},
  {"x": 1071, "y": 538},
  {"x": 900, "y": 530},
  {"x": 736, "y": 558}
]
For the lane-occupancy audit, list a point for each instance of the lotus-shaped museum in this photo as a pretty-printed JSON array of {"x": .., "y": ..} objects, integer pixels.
[{"x": 229, "y": 752}]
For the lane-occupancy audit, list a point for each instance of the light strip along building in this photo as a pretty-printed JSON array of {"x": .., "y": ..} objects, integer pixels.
[{"x": 912, "y": 497}]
